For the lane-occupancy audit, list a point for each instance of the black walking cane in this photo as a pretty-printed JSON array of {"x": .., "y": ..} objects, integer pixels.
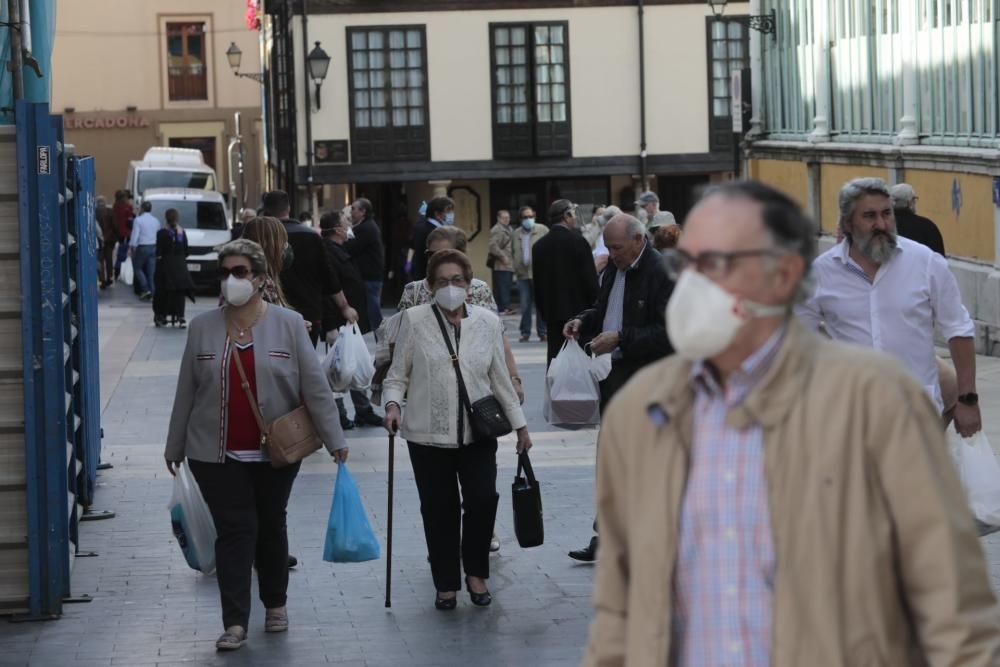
[{"x": 388, "y": 539}]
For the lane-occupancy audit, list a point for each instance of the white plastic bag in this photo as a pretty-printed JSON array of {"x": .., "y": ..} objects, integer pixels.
[
  {"x": 127, "y": 274},
  {"x": 349, "y": 364},
  {"x": 572, "y": 397},
  {"x": 600, "y": 366},
  {"x": 980, "y": 473},
  {"x": 192, "y": 522}
]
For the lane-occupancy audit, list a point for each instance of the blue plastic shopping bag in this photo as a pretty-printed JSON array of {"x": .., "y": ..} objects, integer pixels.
[{"x": 349, "y": 536}]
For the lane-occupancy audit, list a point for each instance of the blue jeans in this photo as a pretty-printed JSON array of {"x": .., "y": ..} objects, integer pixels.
[
  {"x": 374, "y": 290},
  {"x": 525, "y": 286},
  {"x": 502, "y": 281},
  {"x": 144, "y": 266}
]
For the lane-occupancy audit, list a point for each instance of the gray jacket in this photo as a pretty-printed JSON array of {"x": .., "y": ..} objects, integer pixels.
[{"x": 287, "y": 371}]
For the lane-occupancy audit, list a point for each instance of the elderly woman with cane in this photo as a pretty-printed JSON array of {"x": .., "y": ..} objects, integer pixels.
[
  {"x": 449, "y": 359},
  {"x": 248, "y": 367}
]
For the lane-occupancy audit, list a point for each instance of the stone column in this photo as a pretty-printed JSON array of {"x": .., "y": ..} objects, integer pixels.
[
  {"x": 756, "y": 77},
  {"x": 821, "y": 72},
  {"x": 909, "y": 130},
  {"x": 440, "y": 188}
]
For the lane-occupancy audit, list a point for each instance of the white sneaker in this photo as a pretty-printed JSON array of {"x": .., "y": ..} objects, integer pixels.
[{"x": 494, "y": 543}]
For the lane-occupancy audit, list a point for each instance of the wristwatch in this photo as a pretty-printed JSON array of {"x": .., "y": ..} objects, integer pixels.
[{"x": 972, "y": 398}]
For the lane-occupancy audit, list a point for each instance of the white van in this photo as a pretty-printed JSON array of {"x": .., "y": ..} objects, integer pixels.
[
  {"x": 206, "y": 221},
  {"x": 163, "y": 167}
]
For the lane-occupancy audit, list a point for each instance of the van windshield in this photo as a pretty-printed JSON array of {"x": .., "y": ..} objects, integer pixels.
[
  {"x": 153, "y": 178},
  {"x": 192, "y": 214}
]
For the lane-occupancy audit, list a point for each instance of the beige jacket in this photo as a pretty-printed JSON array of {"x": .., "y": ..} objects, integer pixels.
[
  {"x": 878, "y": 561},
  {"x": 522, "y": 269},
  {"x": 501, "y": 247}
]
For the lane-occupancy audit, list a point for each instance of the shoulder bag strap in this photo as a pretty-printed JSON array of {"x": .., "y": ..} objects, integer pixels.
[
  {"x": 254, "y": 407},
  {"x": 463, "y": 394}
]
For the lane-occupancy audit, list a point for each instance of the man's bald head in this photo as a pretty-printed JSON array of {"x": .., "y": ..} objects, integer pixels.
[{"x": 624, "y": 237}]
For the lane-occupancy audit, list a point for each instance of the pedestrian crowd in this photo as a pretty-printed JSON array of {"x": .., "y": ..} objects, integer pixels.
[{"x": 773, "y": 480}]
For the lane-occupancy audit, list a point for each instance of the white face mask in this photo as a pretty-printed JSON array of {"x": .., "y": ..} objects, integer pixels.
[
  {"x": 451, "y": 297},
  {"x": 703, "y": 318},
  {"x": 237, "y": 291}
]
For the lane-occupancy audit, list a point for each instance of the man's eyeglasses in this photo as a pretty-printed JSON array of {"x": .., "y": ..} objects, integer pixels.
[
  {"x": 712, "y": 263},
  {"x": 457, "y": 281},
  {"x": 239, "y": 272}
]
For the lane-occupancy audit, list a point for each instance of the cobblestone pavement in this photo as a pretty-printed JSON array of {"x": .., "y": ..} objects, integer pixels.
[{"x": 149, "y": 608}]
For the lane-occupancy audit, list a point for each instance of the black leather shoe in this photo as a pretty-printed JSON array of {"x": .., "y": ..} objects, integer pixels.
[
  {"x": 292, "y": 561},
  {"x": 346, "y": 424},
  {"x": 368, "y": 419},
  {"x": 478, "y": 599},
  {"x": 445, "y": 604},
  {"x": 588, "y": 554}
]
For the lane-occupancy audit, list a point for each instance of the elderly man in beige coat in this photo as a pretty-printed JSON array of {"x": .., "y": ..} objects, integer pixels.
[{"x": 769, "y": 497}]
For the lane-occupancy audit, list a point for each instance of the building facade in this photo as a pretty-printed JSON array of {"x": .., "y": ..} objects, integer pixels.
[
  {"x": 128, "y": 76},
  {"x": 500, "y": 104},
  {"x": 906, "y": 90}
]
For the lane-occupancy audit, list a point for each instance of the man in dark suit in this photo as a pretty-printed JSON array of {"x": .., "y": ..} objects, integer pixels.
[
  {"x": 910, "y": 225},
  {"x": 628, "y": 321},
  {"x": 310, "y": 276},
  {"x": 565, "y": 280},
  {"x": 368, "y": 252},
  {"x": 440, "y": 211}
]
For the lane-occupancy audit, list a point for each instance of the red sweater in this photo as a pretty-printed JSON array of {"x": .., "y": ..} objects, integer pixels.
[{"x": 242, "y": 432}]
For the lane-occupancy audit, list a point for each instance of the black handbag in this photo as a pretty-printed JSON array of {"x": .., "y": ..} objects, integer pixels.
[
  {"x": 486, "y": 416},
  {"x": 527, "y": 500}
]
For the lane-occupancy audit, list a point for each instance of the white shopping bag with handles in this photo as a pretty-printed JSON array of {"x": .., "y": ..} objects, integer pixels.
[
  {"x": 192, "y": 522},
  {"x": 979, "y": 470},
  {"x": 349, "y": 364},
  {"x": 572, "y": 396}
]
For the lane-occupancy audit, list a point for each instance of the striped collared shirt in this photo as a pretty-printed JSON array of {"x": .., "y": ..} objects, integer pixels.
[
  {"x": 724, "y": 576},
  {"x": 614, "y": 314}
]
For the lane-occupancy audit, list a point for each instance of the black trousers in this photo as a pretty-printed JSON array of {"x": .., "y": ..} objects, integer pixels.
[
  {"x": 457, "y": 529},
  {"x": 248, "y": 502},
  {"x": 555, "y": 340}
]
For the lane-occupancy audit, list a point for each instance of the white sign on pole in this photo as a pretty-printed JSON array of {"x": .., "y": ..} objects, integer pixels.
[{"x": 736, "y": 99}]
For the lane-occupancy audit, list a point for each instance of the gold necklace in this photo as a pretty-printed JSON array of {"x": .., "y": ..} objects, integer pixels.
[{"x": 241, "y": 333}]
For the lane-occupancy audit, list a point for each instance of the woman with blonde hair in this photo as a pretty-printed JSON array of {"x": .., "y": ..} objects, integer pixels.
[{"x": 272, "y": 237}]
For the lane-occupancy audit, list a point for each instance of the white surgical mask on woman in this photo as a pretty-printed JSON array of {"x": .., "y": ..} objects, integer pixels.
[
  {"x": 703, "y": 318},
  {"x": 451, "y": 297},
  {"x": 237, "y": 291}
]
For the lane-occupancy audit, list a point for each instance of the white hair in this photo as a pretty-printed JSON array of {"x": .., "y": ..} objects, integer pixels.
[
  {"x": 662, "y": 218},
  {"x": 633, "y": 227},
  {"x": 609, "y": 212},
  {"x": 902, "y": 195}
]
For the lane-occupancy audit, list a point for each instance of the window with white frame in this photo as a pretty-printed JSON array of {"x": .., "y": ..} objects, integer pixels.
[
  {"x": 956, "y": 55},
  {"x": 728, "y": 52},
  {"x": 952, "y": 45},
  {"x": 865, "y": 69},
  {"x": 388, "y": 93},
  {"x": 789, "y": 71},
  {"x": 530, "y": 82}
]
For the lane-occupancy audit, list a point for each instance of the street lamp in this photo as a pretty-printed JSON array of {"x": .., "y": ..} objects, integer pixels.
[
  {"x": 319, "y": 63},
  {"x": 234, "y": 55},
  {"x": 762, "y": 23}
]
